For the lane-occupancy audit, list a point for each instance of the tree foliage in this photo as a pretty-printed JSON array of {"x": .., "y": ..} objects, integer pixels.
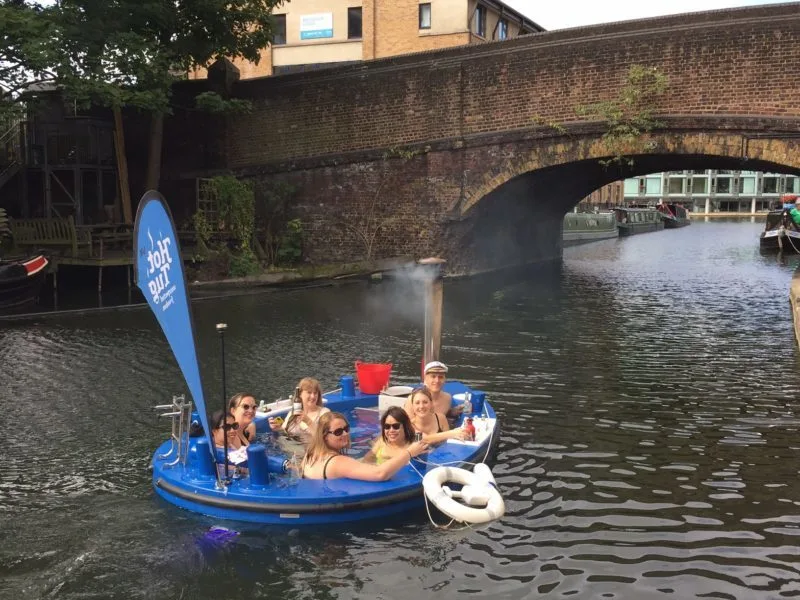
[
  {"x": 630, "y": 115},
  {"x": 129, "y": 52}
]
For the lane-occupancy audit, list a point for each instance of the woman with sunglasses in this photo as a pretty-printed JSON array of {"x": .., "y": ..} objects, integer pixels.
[
  {"x": 324, "y": 458},
  {"x": 433, "y": 426},
  {"x": 243, "y": 408},
  {"x": 397, "y": 433},
  {"x": 303, "y": 422},
  {"x": 225, "y": 431}
]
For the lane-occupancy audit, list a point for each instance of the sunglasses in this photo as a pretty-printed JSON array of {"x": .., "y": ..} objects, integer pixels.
[
  {"x": 395, "y": 426},
  {"x": 341, "y": 430},
  {"x": 234, "y": 426},
  {"x": 247, "y": 406}
]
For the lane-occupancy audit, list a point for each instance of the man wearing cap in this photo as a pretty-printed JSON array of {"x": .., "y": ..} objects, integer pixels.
[{"x": 434, "y": 378}]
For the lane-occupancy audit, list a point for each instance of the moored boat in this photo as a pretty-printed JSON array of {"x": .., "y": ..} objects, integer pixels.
[
  {"x": 637, "y": 220},
  {"x": 189, "y": 472},
  {"x": 582, "y": 228},
  {"x": 673, "y": 215},
  {"x": 20, "y": 282},
  {"x": 780, "y": 233}
]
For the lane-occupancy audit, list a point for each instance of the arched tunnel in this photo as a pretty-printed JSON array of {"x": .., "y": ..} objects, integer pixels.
[{"x": 520, "y": 221}]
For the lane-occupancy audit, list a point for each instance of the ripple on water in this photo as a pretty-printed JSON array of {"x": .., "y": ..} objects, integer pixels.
[{"x": 648, "y": 447}]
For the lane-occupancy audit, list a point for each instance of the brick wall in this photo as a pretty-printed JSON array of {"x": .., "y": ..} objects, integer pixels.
[
  {"x": 486, "y": 184},
  {"x": 729, "y": 62}
]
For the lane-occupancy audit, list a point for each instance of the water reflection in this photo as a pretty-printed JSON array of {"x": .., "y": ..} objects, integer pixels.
[{"x": 649, "y": 445}]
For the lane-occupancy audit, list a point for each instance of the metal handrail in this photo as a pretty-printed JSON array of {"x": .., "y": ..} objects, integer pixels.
[{"x": 181, "y": 413}]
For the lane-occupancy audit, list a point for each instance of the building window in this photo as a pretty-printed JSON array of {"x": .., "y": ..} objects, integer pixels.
[
  {"x": 425, "y": 16},
  {"x": 502, "y": 29},
  {"x": 723, "y": 185},
  {"x": 479, "y": 21},
  {"x": 770, "y": 185},
  {"x": 354, "y": 23},
  {"x": 675, "y": 185},
  {"x": 278, "y": 30},
  {"x": 699, "y": 185}
]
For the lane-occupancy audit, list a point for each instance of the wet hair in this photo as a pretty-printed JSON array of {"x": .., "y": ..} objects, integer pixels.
[
  {"x": 318, "y": 447},
  {"x": 401, "y": 416},
  {"x": 236, "y": 400}
]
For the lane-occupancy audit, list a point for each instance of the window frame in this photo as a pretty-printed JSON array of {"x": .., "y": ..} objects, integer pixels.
[
  {"x": 479, "y": 21},
  {"x": 422, "y": 6},
  {"x": 360, "y": 21},
  {"x": 501, "y": 29},
  {"x": 281, "y": 18}
]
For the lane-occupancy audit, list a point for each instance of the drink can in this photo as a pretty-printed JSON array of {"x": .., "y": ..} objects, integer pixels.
[{"x": 418, "y": 436}]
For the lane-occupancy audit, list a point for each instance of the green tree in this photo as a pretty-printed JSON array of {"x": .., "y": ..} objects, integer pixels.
[
  {"x": 129, "y": 52},
  {"x": 26, "y": 54}
]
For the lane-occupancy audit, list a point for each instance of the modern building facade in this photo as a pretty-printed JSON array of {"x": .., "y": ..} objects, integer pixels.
[
  {"x": 310, "y": 34},
  {"x": 706, "y": 191}
]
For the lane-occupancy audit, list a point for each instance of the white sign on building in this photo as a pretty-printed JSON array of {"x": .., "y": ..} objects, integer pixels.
[{"x": 316, "y": 26}]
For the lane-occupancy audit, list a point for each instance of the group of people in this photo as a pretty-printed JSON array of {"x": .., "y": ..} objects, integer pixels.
[{"x": 406, "y": 432}]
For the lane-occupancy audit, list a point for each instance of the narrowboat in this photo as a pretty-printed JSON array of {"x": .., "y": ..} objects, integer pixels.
[
  {"x": 673, "y": 215},
  {"x": 631, "y": 221},
  {"x": 582, "y": 228},
  {"x": 20, "y": 282},
  {"x": 780, "y": 233}
]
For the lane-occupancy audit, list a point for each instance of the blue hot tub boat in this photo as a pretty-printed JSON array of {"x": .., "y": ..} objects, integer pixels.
[
  {"x": 188, "y": 477},
  {"x": 188, "y": 472}
]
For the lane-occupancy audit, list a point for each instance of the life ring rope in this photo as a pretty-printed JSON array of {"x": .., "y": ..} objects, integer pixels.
[{"x": 433, "y": 486}]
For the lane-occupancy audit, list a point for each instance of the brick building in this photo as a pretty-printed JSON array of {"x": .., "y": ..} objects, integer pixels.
[{"x": 314, "y": 33}]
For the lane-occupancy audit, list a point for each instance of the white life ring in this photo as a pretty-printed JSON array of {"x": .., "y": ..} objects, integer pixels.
[{"x": 478, "y": 488}]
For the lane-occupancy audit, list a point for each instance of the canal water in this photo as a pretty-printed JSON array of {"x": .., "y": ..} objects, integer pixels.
[{"x": 648, "y": 389}]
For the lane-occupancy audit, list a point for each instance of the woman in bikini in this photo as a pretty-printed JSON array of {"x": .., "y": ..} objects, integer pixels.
[
  {"x": 324, "y": 458},
  {"x": 433, "y": 426},
  {"x": 304, "y": 422},
  {"x": 396, "y": 435},
  {"x": 243, "y": 407}
]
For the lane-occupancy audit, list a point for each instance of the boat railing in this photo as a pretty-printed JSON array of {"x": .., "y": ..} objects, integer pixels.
[{"x": 181, "y": 412}]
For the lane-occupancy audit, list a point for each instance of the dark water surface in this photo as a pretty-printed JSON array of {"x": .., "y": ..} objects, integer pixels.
[{"x": 650, "y": 442}]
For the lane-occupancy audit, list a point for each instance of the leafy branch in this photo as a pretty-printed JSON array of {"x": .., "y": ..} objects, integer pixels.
[{"x": 630, "y": 115}]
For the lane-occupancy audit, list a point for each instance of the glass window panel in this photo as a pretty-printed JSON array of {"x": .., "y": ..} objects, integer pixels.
[
  {"x": 425, "y": 16},
  {"x": 502, "y": 29},
  {"x": 699, "y": 185},
  {"x": 479, "y": 21},
  {"x": 723, "y": 185},
  {"x": 279, "y": 31},
  {"x": 354, "y": 23},
  {"x": 675, "y": 185},
  {"x": 770, "y": 185},
  {"x": 747, "y": 185},
  {"x": 631, "y": 187},
  {"x": 653, "y": 185}
]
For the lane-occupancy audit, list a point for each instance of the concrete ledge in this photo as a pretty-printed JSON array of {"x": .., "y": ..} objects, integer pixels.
[{"x": 309, "y": 273}]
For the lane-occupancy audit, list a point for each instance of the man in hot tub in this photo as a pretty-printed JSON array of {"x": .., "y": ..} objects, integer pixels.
[{"x": 434, "y": 376}]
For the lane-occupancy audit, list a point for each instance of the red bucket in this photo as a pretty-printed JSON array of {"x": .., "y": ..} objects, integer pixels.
[{"x": 372, "y": 377}]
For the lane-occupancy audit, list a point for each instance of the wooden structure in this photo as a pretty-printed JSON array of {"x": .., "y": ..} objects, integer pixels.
[
  {"x": 59, "y": 161},
  {"x": 69, "y": 244}
]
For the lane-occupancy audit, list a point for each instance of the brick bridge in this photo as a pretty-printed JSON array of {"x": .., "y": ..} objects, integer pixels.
[{"x": 447, "y": 150}]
